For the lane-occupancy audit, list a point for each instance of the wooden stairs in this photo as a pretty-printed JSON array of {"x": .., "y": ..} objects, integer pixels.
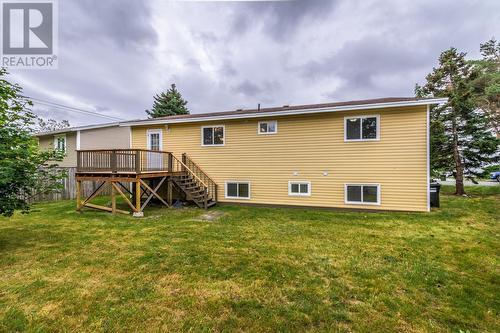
[
  {"x": 194, "y": 191},
  {"x": 196, "y": 185}
]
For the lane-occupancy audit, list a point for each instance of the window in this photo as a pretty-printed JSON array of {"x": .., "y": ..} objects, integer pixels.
[
  {"x": 237, "y": 190},
  {"x": 366, "y": 194},
  {"x": 212, "y": 136},
  {"x": 60, "y": 143},
  {"x": 364, "y": 128},
  {"x": 268, "y": 127},
  {"x": 299, "y": 188}
]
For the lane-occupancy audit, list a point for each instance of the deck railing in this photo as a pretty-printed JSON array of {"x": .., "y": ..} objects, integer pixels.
[{"x": 124, "y": 161}]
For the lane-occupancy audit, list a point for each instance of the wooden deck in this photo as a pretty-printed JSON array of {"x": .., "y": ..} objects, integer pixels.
[{"x": 147, "y": 171}]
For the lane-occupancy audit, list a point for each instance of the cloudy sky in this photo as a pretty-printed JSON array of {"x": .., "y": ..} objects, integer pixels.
[{"x": 114, "y": 55}]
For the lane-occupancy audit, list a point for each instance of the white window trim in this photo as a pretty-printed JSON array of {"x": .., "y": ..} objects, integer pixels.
[
  {"x": 65, "y": 141},
  {"x": 214, "y": 145},
  {"x": 154, "y": 131},
  {"x": 267, "y": 133},
  {"x": 361, "y": 129},
  {"x": 308, "y": 194},
  {"x": 238, "y": 182},
  {"x": 361, "y": 202}
]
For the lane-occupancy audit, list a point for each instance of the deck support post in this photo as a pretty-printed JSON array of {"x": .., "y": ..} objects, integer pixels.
[
  {"x": 113, "y": 198},
  {"x": 78, "y": 195},
  {"x": 169, "y": 191},
  {"x": 138, "y": 211}
]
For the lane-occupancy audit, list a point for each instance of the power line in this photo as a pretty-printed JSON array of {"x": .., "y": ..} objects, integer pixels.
[
  {"x": 79, "y": 111},
  {"x": 71, "y": 108}
]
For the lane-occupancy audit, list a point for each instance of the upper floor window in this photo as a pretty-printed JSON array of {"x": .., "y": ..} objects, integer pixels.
[
  {"x": 268, "y": 127},
  {"x": 60, "y": 143},
  {"x": 363, "y": 128},
  {"x": 212, "y": 135}
]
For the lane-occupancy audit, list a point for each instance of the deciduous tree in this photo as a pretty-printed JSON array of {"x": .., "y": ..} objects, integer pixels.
[
  {"x": 24, "y": 169},
  {"x": 49, "y": 125}
]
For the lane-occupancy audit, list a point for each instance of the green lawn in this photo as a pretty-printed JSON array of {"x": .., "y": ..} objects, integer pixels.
[{"x": 256, "y": 269}]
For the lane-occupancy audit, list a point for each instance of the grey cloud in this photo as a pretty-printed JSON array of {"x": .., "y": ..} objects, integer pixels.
[
  {"x": 364, "y": 68},
  {"x": 247, "y": 88},
  {"x": 205, "y": 37},
  {"x": 401, "y": 52},
  {"x": 124, "y": 22},
  {"x": 193, "y": 63},
  {"x": 362, "y": 59},
  {"x": 251, "y": 89},
  {"x": 282, "y": 18},
  {"x": 227, "y": 69}
]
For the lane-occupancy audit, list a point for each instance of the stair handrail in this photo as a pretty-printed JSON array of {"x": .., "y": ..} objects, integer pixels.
[
  {"x": 212, "y": 187},
  {"x": 199, "y": 168},
  {"x": 190, "y": 171}
]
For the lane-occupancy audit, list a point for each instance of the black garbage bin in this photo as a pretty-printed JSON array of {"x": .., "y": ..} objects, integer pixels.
[{"x": 435, "y": 188}]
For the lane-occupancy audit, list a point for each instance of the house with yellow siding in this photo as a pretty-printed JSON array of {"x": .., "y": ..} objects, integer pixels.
[{"x": 368, "y": 154}]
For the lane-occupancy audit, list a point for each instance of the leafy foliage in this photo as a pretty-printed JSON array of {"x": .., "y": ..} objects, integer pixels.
[
  {"x": 24, "y": 169},
  {"x": 461, "y": 137},
  {"x": 168, "y": 103}
]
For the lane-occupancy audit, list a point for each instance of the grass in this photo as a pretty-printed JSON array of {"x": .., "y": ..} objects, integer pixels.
[{"x": 256, "y": 269}]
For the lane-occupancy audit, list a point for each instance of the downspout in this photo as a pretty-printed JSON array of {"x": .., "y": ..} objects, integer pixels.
[{"x": 77, "y": 140}]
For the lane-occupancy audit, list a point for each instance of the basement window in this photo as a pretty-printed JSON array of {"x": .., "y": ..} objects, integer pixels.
[
  {"x": 212, "y": 135},
  {"x": 299, "y": 188},
  {"x": 365, "y": 128},
  {"x": 237, "y": 190},
  {"x": 365, "y": 194}
]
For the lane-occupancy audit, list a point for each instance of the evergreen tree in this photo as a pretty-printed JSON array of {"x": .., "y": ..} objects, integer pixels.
[
  {"x": 461, "y": 138},
  {"x": 24, "y": 169},
  {"x": 168, "y": 103},
  {"x": 487, "y": 84}
]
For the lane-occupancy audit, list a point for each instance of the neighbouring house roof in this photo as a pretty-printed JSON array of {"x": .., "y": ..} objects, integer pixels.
[
  {"x": 76, "y": 129},
  {"x": 290, "y": 110}
]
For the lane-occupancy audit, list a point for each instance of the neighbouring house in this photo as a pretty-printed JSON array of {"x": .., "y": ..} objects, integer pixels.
[
  {"x": 366, "y": 154},
  {"x": 69, "y": 140}
]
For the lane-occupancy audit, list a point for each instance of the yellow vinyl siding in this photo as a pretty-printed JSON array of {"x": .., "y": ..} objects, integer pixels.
[{"x": 311, "y": 145}]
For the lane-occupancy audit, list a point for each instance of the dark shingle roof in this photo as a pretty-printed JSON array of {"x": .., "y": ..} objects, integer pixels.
[{"x": 294, "y": 107}]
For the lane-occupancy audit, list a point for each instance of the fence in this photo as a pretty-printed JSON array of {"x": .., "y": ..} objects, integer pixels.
[{"x": 69, "y": 189}]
